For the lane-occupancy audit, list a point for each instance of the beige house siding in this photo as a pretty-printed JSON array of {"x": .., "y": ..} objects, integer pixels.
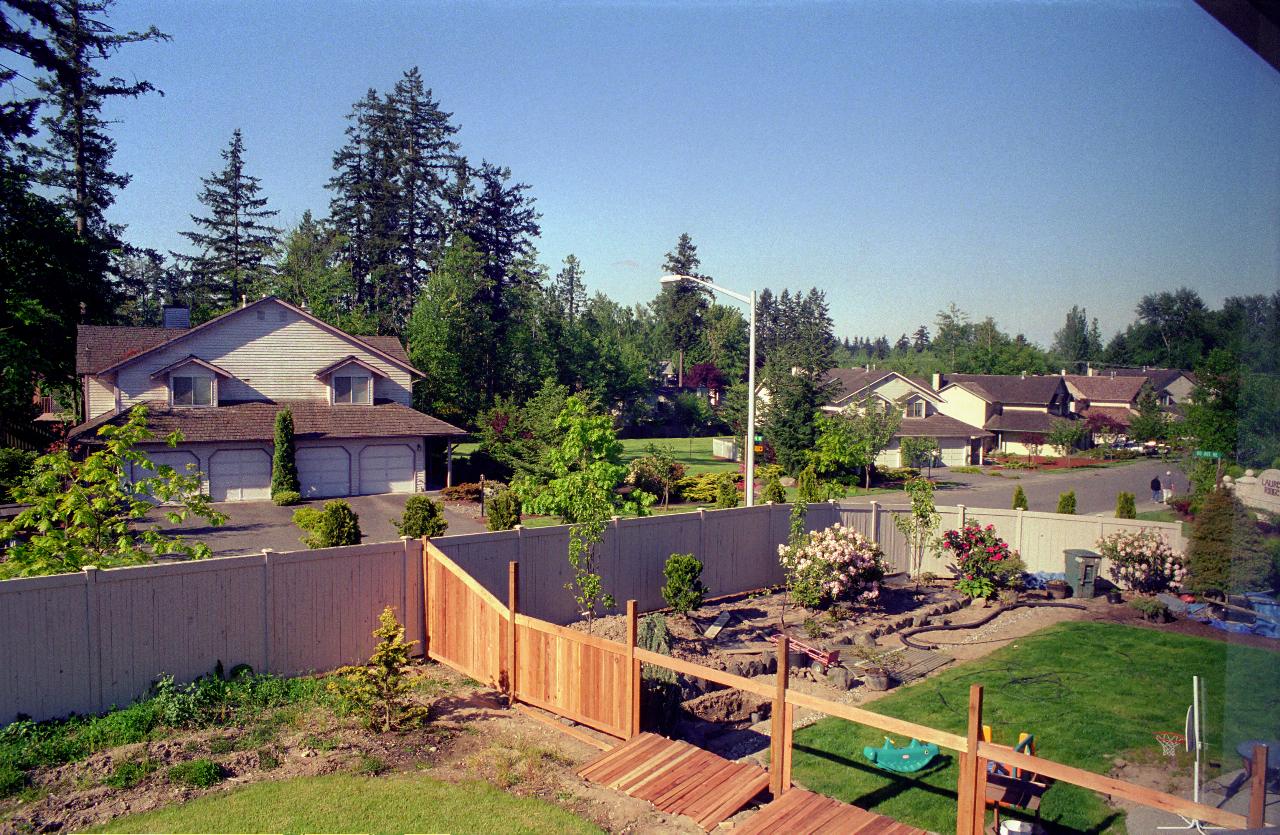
[
  {"x": 100, "y": 397},
  {"x": 965, "y": 406},
  {"x": 272, "y": 356}
]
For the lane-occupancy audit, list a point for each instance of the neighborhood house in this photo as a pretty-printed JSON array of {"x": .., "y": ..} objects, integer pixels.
[
  {"x": 222, "y": 383},
  {"x": 1016, "y": 410}
]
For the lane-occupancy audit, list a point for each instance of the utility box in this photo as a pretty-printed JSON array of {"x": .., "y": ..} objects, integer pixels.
[{"x": 1082, "y": 571}]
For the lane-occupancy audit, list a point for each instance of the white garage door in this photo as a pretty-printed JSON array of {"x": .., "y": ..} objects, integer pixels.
[
  {"x": 954, "y": 452},
  {"x": 178, "y": 460},
  {"x": 387, "y": 468},
  {"x": 240, "y": 475},
  {"x": 324, "y": 471}
]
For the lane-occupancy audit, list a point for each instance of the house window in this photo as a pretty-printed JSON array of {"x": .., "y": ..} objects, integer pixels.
[
  {"x": 351, "y": 390},
  {"x": 192, "y": 391},
  {"x": 915, "y": 409}
]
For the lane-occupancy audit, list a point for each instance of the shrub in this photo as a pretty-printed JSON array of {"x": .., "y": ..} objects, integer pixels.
[
  {"x": 12, "y": 778},
  {"x": 660, "y": 705},
  {"x": 377, "y": 691},
  {"x": 284, "y": 465},
  {"x": 503, "y": 510},
  {"x": 700, "y": 489},
  {"x": 898, "y": 473},
  {"x": 984, "y": 563},
  {"x": 1226, "y": 555},
  {"x": 727, "y": 491},
  {"x": 337, "y": 524},
  {"x": 1126, "y": 506},
  {"x": 285, "y": 498},
  {"x": 1142, "y": 561},
  {"x": 836, "y": 563},
  {"x": 15, "y": 466},
  {"x": 421, "y": 517},
  {"x": 200, "y": 773},
  {"x": 657, "y": 473},
  {"x": 807, "y": 489},
  {"x": 1150, "y": 608},
  {"x": 468, "y": 491},
  {"x": 772, "y": 489},
  {"x": 683, "y": 589},
  {"x": 1019, "y": 498},
  {"x": 1067, "y": 502},
  {"x": 1186, "y": 506}
]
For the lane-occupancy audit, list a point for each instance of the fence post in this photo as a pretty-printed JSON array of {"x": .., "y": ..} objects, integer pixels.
[
  {"x": 633, "y": 672},
  {"x": 779, "y": 781},
  {"x": 1018, "y": 532},
  {"x": 971, "y": 806},
  {"x": 404, "y": 573},
  {"x": 513, "y": 601},
  {"x": 426, "y": 597},
  {"x": 93, "y": 638},
  {"x": 1258, "y": 788},
  {"x": 875, "y": 520},
  {"x": 268, "y": 607},
  {"x": 959, "y": 516}
]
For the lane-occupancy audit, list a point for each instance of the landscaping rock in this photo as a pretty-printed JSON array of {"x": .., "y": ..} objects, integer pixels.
[{"x": 840, "y": 678}]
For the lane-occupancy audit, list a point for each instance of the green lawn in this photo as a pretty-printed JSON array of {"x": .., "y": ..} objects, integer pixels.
[
  {"x": 343, "y": 803},
  {"x": 1164, "y": 516},
  {"x": 1088, "y": 691},
  {"x": 694, "y": 453}
]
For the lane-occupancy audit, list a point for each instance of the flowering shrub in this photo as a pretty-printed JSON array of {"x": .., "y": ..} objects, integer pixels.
[
  {"x": 836, "y": 563},
  {"x": 984, "y": 564},
  {"x": 1142, "y": 561}
]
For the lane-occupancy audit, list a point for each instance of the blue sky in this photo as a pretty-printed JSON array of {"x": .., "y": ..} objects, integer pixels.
[{"x": 1012, "y": 157}]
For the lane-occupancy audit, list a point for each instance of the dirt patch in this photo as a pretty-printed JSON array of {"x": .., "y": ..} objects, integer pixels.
[{"x": 471, "y": 735}]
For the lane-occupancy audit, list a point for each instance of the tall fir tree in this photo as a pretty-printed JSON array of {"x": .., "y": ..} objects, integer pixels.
[
  {"x": 76, "y": 160},
  {"x": 234, "y": 242},
  {"x": 567, "y": 290},
  {"x": 680, "y": 308}
]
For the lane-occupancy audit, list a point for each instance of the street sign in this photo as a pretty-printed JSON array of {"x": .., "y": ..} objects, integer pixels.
[{"x": 1207, "y": 453}]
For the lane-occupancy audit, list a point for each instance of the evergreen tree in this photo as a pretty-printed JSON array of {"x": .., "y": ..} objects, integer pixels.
[
  {"x": 76, "y": 161},
  {"x": 902, "y": 345},
  {"x": 788, "y": 422},
  {"x": 450, "y": 335},
  {"x": 680, "y": 307},
  {"x": 920, "y": 339},
  {"x": 311, "y": 272},
  {"x": 21, "y": 32},
  {"x": 568, "y": 291},
  {"x": 1226, "y": 555},
  {"x": 1212, "y": 417},
  {"x": 284, "y": 466},
  {"x": 234, "y": 242},
  {"x": 146, "y": 283},
  {"x": 1077, "y": 343}
]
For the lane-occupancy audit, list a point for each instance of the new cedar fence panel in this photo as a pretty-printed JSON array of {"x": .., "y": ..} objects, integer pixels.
[
  {"x": 466, "y": 625},
  {"x": 573, "y": 674}
]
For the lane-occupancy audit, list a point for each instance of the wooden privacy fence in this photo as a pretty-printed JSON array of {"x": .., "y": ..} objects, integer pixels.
[{"x": 597, "y": 683}]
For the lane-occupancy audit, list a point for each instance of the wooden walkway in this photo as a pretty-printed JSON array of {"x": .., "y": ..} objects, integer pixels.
[
  {"x": 800, "y": 812},
  {"x": 685, "y": 780},
  {"x": 678, "y": 778}
]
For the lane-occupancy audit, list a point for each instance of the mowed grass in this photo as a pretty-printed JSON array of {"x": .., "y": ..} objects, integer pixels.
[
  {"x": 694, "y": 453},
  {"x": 1164, "y": 516},
  {"x": 1089, "y": 692},
  {"x": 344, "y": 803}
]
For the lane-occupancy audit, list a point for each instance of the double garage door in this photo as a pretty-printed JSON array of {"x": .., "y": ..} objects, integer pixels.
[
  {"x": 326, "y": 471},
  {"x": 234, "y": 475}
]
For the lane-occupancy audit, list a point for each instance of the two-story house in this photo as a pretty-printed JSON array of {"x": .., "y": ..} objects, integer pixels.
[
  {"x": 1114, "y": 398},
  {"x": 222, "y": 383},
  {"x": 959, "y": 442},
  {"x": 1172, "y": 386},
  {"x": 1010, "y": 407}
]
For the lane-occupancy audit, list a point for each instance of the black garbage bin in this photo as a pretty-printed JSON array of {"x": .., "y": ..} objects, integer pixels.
[{"x": 1082, "y": 571}]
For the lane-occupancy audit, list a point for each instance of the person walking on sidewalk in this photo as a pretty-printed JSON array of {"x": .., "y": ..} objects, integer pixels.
[
  {"x": 1168, "y": 486},
  {"x": 1156, "y": 494}
]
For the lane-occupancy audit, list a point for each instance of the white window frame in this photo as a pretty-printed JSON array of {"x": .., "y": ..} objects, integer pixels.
[
  {"x": 213, "y": 390},
  {"x": 333, "y": 388},
  {"x": 912, "y": 406}
]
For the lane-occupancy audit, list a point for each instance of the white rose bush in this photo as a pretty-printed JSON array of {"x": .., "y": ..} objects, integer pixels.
[
  {"x": 833, "y": 564},
  {"x": 1143, "y": 561}
]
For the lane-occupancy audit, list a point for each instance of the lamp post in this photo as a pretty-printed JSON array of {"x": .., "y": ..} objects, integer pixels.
[{"x": 749, "y": 301}]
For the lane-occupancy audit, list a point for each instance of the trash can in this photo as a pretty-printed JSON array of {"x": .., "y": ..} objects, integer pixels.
[{"x": 1082, "y": 570}]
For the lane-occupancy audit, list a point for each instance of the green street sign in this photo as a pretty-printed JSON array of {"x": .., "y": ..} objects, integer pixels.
[{"x": 1207, "y": 453}]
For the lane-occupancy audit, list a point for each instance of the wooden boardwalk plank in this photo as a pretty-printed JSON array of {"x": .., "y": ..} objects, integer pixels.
[
  {"x": 763, "y": 820},
  {"x": 595, "y": 763},
  {"x": 627, "y": 760},
  {"x": 687, "y": 792},
  {"x": 678, "y": 779},
  {"x": 800, "y": 812},
  {"x": 737, "y": 797},
  {"x": 662, "y": 761},
  {"x": 697, "y": 803}
]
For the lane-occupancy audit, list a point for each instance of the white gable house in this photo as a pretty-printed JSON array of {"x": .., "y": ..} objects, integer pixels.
[{"x": 221, "y": 384}]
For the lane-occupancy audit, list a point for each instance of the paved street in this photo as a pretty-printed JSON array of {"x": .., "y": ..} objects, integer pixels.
[
  {"x": 252, "y": 526},
  {"x": 1096, "y": 489}
]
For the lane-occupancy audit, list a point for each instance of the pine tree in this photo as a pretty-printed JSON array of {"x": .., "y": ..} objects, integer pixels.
[
  {"x": 284, "y": 466},
  {"x": 76, "y": 161},
  {"x": 1019, "y": 498},
  {"x": 311, "y": 272},
  {"x": 234, "y": 241},
  {"x": 680, "y": 307},
  {"x": 1226, "y": 555},
  {"x": 567, "y": 290}
]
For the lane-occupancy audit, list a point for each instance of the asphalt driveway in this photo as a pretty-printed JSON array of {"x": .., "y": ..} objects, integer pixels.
[{"x": 253, "y": 526}]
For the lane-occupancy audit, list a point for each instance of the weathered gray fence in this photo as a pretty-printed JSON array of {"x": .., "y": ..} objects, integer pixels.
[
  {"x": 1040, "y": 538},
  {"x": 84, "y": 642},
  {"x": 80, "y": 643}
]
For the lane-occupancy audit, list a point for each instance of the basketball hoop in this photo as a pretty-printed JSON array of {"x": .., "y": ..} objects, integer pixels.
[{"x": 1170, "y": 742}]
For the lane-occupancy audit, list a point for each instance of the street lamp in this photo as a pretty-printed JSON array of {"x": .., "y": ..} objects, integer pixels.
[{"x": 749, "y": 301}]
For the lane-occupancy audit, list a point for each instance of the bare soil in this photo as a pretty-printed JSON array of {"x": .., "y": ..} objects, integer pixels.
[{"x": 471, "y": 734}]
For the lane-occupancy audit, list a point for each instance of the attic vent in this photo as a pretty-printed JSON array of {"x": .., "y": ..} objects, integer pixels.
[{"x": 177, "y": 316}]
